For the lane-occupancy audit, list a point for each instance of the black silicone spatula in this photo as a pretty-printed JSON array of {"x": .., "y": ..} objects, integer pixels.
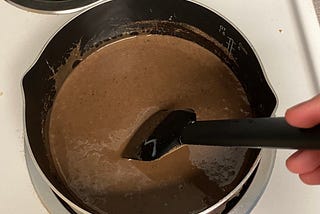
[{"x": 180, "y": 127}]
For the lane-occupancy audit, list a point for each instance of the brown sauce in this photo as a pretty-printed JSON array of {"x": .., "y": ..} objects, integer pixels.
[{"x": 113, "y": 91}]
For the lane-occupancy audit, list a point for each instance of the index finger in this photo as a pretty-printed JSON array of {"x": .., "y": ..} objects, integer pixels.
[{"x": 306, "y": 114}]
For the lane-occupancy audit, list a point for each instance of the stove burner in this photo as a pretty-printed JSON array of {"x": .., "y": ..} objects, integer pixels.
[{"x": 57, "y": 6}]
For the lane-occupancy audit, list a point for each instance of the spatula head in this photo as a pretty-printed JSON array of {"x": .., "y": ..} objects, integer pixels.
[{"x": 164, "y": 137}]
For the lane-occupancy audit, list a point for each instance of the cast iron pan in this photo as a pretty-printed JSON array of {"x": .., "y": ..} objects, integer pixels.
[{"x": 119, "y": 18}]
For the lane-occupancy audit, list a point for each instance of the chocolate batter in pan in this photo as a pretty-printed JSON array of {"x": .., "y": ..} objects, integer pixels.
[{"x": 105, "y": 99}]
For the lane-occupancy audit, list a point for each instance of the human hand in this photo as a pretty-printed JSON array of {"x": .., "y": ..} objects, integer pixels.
[{"x": 305, "y": 163}]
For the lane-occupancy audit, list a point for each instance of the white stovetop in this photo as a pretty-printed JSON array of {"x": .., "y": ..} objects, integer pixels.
[{"x": 284, "y": 33}]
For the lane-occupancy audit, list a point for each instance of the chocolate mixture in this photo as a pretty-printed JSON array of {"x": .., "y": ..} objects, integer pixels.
[{"x": 111, "y": 93}]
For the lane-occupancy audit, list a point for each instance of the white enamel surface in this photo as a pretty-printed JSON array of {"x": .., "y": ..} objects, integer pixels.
[{"x": 285, "y": 34}]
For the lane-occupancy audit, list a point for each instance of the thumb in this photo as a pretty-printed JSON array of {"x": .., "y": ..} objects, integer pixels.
[{"x": 306, "y": 114}]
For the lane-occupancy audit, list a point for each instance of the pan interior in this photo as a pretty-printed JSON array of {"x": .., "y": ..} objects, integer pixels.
[{"x": 109, "y": 94}]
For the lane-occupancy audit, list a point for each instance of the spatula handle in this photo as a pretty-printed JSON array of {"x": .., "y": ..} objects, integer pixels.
[{"x": 253, "y": 133}]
